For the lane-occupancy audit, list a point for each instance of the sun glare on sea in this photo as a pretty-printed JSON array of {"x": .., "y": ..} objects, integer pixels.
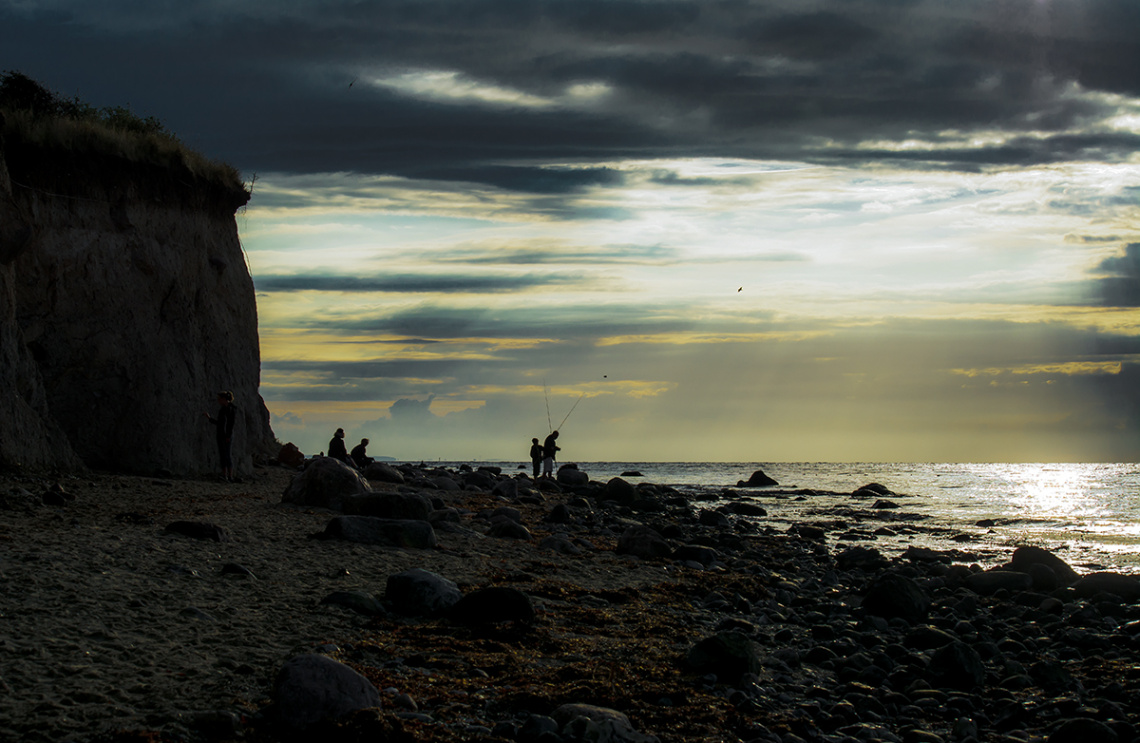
[{"x": 1052, "y": 490}]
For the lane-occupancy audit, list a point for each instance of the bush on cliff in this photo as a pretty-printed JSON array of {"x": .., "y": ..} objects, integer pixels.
[{"x": 31, "y": 113}]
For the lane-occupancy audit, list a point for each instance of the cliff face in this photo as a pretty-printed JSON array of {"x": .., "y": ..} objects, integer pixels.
[{"x": 125, "y": 306}]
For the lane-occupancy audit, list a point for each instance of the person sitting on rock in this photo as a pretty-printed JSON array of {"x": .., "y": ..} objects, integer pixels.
[
  {"x": 359, "y": 454},
  {"x": 336, "y": 448}
]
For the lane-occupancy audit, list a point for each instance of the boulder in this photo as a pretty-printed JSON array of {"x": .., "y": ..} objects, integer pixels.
[
  {"x": 561, "y": 545},
  {"x": 389, "y": 505},
  {"x": 956, "y": 666},
  {"x": 479, "y": 479},
  {"x": 312, "y": 688},
  {"x": 695, "y": 553},
  {"x": 992, "y": 581},
  {"x": 198, "y": 530},
  {"x": 644, "y": 542},
  {"x": 757, "y": 480},
  {"x": 419, "y": 592},
  {"x": 1126, "y": 587},
  {"x": 620, "y": 491},
  {"x": 382, "y": 472},
  {"x": 895, "y": 595},
  {"x": 493, "y": 605},
  {"x": 729, "y": 655},
  {"x": 325, "y": 483},
  {"x": 290, "y": 456},
  {"x": 741, "y": 508},
  {"x": 383, "y": 532},
  {"x": 506, "y": 529},
  {"x": 571, "y": 475},
  {"x": 508, "y": 489},
  {"x": 357, "y": 601},
  {"x": 585, "y": 723},
  {"x": 1082, "y": 730},
  {"x": 866, "y": 558},
  {"x": 713, "y": 518},
  {"x": 1024, "y": 558}
]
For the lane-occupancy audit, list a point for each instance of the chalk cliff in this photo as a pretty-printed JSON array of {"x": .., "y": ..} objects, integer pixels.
[{"x": 125, "y": 305}]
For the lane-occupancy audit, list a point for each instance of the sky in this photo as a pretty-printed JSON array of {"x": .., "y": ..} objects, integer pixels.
[{"x": 678, "y": 230}]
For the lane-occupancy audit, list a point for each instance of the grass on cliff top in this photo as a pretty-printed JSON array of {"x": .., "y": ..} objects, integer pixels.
[{"x": 33, "y": 114}]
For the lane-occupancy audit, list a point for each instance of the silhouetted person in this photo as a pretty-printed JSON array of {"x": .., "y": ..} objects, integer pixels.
[
  {"x": 359, "y": 454},
  {"x": 224, "y": 423},
  {"x": 535, "y": 456},
  {"x": 548, "y": 450},
  {"x": 336, "y": 447}
]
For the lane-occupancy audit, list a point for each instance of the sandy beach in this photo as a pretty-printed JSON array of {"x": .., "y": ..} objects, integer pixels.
[
  {"x": 110, "y": 623},
  {"x": 112, "y": 628}
]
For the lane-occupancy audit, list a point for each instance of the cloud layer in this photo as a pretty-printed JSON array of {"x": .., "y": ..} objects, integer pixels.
[{"x": 798, "y": 229}]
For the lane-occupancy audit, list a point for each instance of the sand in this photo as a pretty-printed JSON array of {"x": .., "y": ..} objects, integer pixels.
[{"x": 108, "y": 623}]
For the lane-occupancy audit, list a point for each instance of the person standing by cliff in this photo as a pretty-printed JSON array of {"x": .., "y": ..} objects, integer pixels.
[
  {"x": 548, "y": 450},
  {"x": 535, "y": 456},
  {"x": 224, "y": 423}
]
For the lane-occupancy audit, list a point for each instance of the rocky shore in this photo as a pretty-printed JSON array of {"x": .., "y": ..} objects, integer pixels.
[{"x": 420, "y": 604}]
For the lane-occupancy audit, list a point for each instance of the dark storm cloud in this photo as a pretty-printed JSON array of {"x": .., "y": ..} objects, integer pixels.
[
  {"x": 1120, "y": 286},
  {"x": 531, "y": 180},
  {"x": 268, "y": 86},
  {"x": 414, "y": 283},
  {"x": 576, "y": 254},
  {"x": 582, "y": 322}
]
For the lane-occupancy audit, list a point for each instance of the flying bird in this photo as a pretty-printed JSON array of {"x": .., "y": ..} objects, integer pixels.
[{"x": 740, "y": 290}]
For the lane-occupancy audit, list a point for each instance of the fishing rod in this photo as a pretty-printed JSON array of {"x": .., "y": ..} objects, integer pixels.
[{"x": 560, "y": 425}]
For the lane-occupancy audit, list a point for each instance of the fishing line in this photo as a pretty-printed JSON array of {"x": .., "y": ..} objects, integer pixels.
[
  {"x": 546, "y": 394},
  {"x": 560, "y": 425}
]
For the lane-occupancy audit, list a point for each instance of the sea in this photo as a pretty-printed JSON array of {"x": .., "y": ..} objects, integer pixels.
[{"x": 1087, "y": 514}]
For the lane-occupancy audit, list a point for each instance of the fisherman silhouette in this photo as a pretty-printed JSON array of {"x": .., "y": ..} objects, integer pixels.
[
  {"x": 548, "y": 450},
  {"x": 535, "y": 456}
]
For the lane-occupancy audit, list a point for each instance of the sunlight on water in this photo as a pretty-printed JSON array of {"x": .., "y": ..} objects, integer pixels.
[
  {"x": 1052, "y": 491},
  {"x": 1088, "y": 513}
]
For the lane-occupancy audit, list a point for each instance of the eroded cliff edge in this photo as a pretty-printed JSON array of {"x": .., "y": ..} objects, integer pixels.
[{"x": 125, "y": 305}]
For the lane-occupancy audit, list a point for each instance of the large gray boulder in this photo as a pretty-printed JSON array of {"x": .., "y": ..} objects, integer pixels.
[
  {"x": 586, "y": 723},
  {"x": 1125, "y": 586},
  {"x": 382, "y": 532},
  {"x": 992, "y": 581},
  {"x": 133, "y": 307},
  {"x": 389, "y": 505},
  {"x": 893, "y": 595},
  {"x": 325, "y": 483},
  {"x": 382, "y": 472},
  {"x": 644, "y": 542},
  {"x": 571, "y": 475},
  {"x": 729, "y": 655},
  {"x": 419, "y": 592},
  {"x": 311, "y": 688},
  {"x": 1024, "y": 558}
]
